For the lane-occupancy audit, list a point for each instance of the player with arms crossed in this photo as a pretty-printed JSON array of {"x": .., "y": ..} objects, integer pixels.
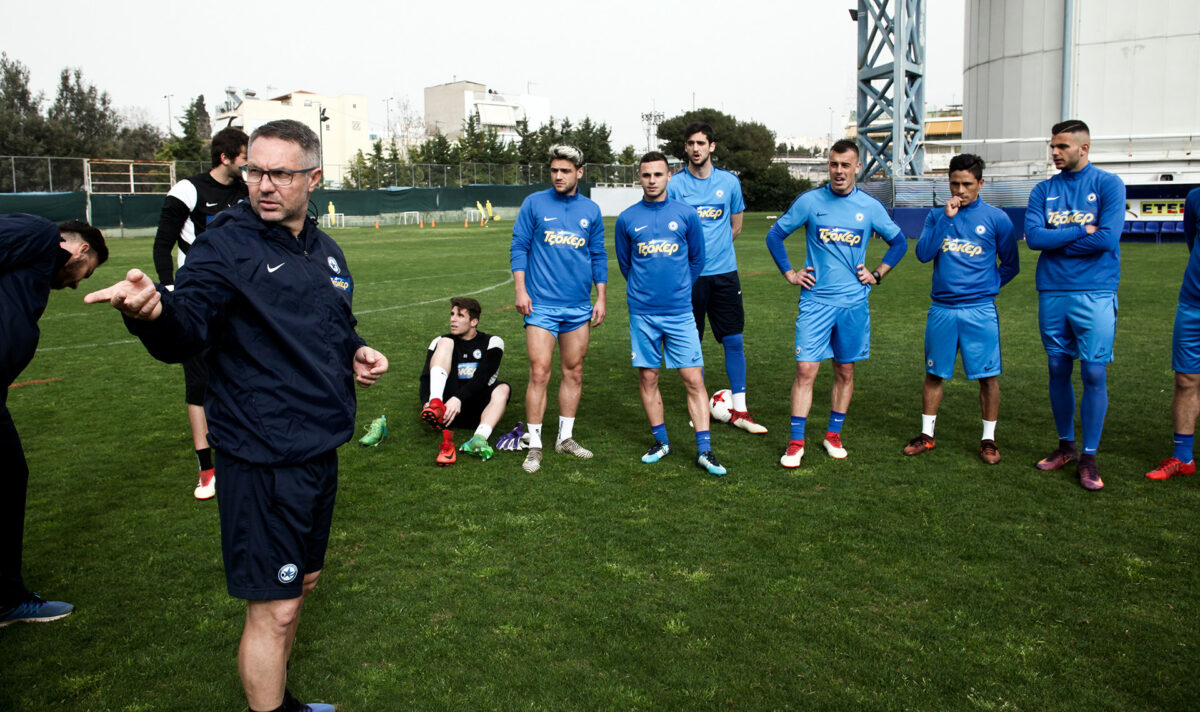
[
  {"x": 1185, "y": 354},
  {"x": 1075, "y": 218},
  {"x": 834, "y": 319},
  {"x": 716, "y": 195},
  {"x": 557, "y": 254},
  {"x": 459, "y": 385},
  {"x": 964, "y": 240},
  {"x": 190, "y": 205},
  {"x": 660, "y": 250}
]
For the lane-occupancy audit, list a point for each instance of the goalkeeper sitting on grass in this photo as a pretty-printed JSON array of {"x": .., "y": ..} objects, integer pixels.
[{"x": 459, "y": 386}]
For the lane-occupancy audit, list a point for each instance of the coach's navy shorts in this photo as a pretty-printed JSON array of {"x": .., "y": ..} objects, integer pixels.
[
  {"x": 720, "y": 297},
  {"x": 274, "y": 523},
  {"x": 195, "y": 378},
  {"x": 972, "y": 330},
  {"x": 1185, "y": 345}
]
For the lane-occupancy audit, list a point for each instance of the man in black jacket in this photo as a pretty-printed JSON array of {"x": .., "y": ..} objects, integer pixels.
[
  {"x": 190, "y": 206},
  {"x": 270, "y": 295},
  {"x": 35, "y": 256}
]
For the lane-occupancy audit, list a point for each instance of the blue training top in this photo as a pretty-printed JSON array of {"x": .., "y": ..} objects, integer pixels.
[
  {"x": 716, "y": 199},
  {"x": 558, "y": 242},
  {"x": 1059, "y": 208},
  {"x": 836, "y": 234},
  {"x": 964, "y": 249},
  {"x": 660, "y": 250},
  {"x": 1189, "y": 293}
]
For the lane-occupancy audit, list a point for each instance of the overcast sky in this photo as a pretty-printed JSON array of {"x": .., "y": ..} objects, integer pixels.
[{"x": 784, "y": 64}]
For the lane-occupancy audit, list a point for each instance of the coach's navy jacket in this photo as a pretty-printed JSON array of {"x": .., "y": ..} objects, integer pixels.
[
  {"x": 29, "y": 256},
  {"x": 276, "y": 311}
]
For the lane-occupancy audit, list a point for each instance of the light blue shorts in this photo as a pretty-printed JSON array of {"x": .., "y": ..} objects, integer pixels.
[
  {"x": 559, "y": 320},
  {"x": 1080, "y": 325},
  {"x": 973, "y": 331},
  {"x": 840, "y": 333},
  {"x": 1185, "y": 346},
  {"x": 649, "y": 333}
]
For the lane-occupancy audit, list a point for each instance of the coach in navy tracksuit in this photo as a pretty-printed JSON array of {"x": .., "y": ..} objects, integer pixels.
[
  {"x": 35, "y": 256},
  {"x": 271, "y": 295}
]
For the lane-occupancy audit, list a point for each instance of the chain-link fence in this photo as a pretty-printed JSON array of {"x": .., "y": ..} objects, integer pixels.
[{"x": 427, "y": 175}]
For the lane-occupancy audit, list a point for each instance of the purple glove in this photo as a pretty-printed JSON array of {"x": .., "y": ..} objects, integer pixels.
[{"x": 514, "y": 440}]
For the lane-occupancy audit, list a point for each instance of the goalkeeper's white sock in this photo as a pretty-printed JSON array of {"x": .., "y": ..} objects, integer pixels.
[{"x": 437, "y": 382}]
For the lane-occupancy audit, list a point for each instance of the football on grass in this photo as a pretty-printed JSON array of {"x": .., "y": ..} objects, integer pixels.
[{"x": 720, "y": 403}]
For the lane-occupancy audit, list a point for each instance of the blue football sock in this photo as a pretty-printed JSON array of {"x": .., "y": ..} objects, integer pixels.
[
  {"x": 660, "y": 433},
  {"x": 1095, "y": 404},
  {"x": 1183, "y": 447},
  {"x": 798, "y": 427},
  {"x": 703, "y": 442},
  {"x": 735, "y": 362},
  {"x": 835, "y": 422},
  {"x": 1062, "y": 396}
]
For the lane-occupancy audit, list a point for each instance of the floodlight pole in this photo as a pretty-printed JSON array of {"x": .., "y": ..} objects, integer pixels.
[
  {"x": 168, "y": 98},
  {"x": 652, "y": 119}
]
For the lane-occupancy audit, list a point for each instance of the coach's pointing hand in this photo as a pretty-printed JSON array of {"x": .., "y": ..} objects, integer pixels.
[{"x": 135, "y": 297}]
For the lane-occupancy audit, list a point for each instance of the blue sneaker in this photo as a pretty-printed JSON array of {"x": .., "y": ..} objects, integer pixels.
[
  {"x": 657, "y": 451},
  {"x": 708, "y": 461},
  {"x": 315, "y": 707},
  {"x": 36, "y": 610}
]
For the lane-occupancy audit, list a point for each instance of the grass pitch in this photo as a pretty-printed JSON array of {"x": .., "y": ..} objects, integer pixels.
[{"x": 878, "y": 582}]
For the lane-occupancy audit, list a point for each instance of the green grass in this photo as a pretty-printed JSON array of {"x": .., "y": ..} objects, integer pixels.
[{"x": 879, "y": 582}]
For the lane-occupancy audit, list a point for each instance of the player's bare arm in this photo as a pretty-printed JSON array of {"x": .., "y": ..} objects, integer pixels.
[
  {"x": 735, "y": 224},
  {"x": 806, "y": 277},
  {"x": 867, "y": 277},
  {"x": 135, "y": 296}
]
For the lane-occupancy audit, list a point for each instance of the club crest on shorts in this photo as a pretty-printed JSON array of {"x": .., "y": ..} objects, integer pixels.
[
  {"x": 583, "y": 223},
  {"x": 333, "y": 265},
  {"x": 929, "y": 363},
  {"x": 288, "y": 572}
]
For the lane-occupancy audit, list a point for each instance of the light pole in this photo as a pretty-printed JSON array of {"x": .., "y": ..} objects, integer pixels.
[
  {"x": 168, "y": 98},
  {"x": 388, "y": 106},
  {"x": 830, "y": 145},
  {"x": 652, "y": 119}
]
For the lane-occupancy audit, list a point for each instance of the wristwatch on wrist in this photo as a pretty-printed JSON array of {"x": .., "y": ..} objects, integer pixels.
[{"x": 878, "y": 277}]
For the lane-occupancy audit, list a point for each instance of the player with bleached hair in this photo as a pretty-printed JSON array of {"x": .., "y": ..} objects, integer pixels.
[
  {"x": 557, "y": 254},
  {"x": 1075, "y": 219}
]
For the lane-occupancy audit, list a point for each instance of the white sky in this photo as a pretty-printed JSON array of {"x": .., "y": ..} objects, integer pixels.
[{"x": 785, "y": 64}]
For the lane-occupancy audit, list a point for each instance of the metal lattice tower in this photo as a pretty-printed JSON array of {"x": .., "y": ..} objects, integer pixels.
[{"x": 891, "y": 86}]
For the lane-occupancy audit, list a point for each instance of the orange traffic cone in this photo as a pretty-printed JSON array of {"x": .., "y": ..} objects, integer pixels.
[
  {"x": 465, "y": 223},
  {"x": 432, "y": 222},
  {"x": 422, "y": 223},
  {"x": 376, "y": 224}
]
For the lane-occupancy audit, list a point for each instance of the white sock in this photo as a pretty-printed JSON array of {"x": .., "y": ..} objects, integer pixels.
[
  {"x": 989, "y": 430},
  {"x": 484, "y": 430},
  {"x": 739, "y": 401},
  {"x": 535, "y": 434},
  {"x": 437, "y": 382},
  {"x": 565, "y": 426},
  {"x": 927, "y": 424}
]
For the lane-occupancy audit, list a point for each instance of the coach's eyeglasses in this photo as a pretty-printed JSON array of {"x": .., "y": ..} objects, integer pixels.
[{"x": 280, "y": 177}]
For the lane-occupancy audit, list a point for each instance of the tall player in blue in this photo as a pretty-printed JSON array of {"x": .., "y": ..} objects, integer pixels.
[
  {"x": 716, "y": 195},
  {"x": 1185, "y": 354},
  {"x": 1075, "y": 218},
  {"x": 557, "y": 254},
  {"x": 834, "y": 320},
  {"x": 964, "y": 240},
  {"x": 660, "y": 250}
]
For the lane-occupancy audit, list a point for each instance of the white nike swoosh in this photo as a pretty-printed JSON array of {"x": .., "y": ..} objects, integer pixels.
[
  {"x": 272, "y": 269},
  {"x": 209, "y": 205},
  {"x": 549, "y": 219},
  {"x": 1053, "y": 197},
  {"x": 639, "y": 229}
]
